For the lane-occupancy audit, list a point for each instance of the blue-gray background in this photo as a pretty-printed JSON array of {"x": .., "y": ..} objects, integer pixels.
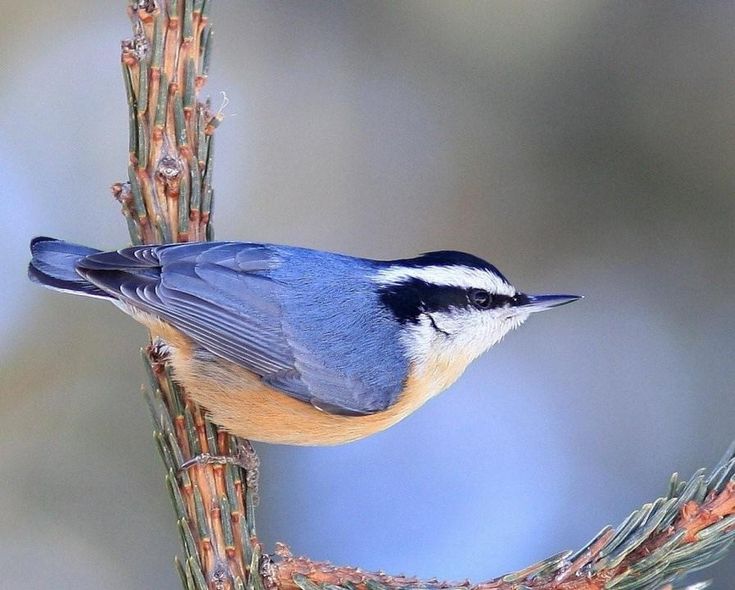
[{"x": 581, "y": 146}]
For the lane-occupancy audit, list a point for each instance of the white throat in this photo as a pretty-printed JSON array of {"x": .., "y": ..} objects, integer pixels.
[{"x": 441, "y": 345}]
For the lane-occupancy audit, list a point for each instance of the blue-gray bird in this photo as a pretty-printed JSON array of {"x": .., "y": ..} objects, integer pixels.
[{"x": 296, "y": 346}]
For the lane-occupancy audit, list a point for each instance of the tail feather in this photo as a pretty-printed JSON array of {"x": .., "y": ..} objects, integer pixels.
[{"x": 53, "y": 264}]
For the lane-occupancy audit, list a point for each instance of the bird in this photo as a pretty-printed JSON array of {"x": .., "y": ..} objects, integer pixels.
[{"x": 289, "y": 345}]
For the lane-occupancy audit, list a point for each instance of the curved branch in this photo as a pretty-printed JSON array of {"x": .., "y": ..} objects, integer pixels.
[{"x": 691, "y": 528}]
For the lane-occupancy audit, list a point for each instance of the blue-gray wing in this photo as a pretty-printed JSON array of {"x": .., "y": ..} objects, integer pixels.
[{"x": 230, "y": 299}]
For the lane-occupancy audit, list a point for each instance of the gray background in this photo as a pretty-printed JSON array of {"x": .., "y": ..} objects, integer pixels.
[{"x": 580, "y": 146}]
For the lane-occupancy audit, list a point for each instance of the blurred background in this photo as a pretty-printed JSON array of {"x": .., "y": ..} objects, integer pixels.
[{"x": 581, "y": 146}]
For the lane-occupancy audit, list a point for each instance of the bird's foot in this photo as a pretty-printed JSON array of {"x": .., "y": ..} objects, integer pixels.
[
  {"x": 159, "y": 350},
  {"x": 244, "y": 457}
]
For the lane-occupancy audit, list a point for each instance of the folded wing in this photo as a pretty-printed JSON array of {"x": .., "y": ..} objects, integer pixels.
[{"x": 225, "y": 297}]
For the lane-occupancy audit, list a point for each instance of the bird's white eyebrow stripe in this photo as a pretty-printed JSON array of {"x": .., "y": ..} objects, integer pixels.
[{"x": 447, "y": 276}]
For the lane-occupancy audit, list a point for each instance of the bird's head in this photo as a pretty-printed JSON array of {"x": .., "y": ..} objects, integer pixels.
[{"x": 454, "y": 305}]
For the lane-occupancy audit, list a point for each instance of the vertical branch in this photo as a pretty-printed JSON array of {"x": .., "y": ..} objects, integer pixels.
[
  {"x": 214, "y": 503},
  {"x": 168, "y": 198}
]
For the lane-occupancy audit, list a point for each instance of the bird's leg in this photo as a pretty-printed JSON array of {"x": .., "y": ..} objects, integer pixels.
[
  {"x": 158, "y": 350},
  {"x": 244, "y": 457}
]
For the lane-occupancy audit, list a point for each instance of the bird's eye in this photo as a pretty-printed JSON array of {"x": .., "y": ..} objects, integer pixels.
[{"x": 481, "y": 298}]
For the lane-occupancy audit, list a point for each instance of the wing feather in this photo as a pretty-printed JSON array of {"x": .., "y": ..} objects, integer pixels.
[{"x": 226, "y": 298}]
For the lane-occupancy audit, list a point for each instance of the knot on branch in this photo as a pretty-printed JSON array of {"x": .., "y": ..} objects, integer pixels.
[
  {"x": 169, "y": 168},
  {"x": 135, "y": 49},
  {"x": 144, "y": 8},
  {"x": 122, "y": 193}
]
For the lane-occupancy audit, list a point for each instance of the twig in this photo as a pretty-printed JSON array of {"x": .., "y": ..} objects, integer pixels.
[
  {"x": 168, "y": 198},
  {"x": 169, "y": 194},
  {"x": 690, "y": 529}
]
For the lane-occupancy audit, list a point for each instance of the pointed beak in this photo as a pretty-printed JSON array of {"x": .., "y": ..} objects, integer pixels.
[{"x": 534, "y": 303}]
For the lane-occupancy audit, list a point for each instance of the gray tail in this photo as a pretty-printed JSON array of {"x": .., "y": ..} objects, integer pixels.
[{"x": 53, "y": 265}]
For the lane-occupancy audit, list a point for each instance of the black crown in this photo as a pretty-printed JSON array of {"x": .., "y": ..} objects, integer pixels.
[{"x": 450, "y": 258}]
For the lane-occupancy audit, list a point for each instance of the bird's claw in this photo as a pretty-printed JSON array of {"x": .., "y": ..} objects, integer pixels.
[
  {"x": 244, "y": 457},
  {"x": 159, "y": 350}
]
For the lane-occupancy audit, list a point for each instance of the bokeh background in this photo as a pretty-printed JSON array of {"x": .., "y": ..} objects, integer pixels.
[{"x": 581, "y": 146}]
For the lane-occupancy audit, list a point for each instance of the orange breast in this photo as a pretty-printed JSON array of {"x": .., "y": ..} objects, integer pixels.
[{"x": 238, "y": 400}]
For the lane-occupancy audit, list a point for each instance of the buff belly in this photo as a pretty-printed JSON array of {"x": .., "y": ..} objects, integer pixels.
[{"x": 237, "y": 399}]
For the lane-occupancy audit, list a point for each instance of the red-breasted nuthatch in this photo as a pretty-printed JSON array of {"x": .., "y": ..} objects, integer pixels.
[{"x": 296, "y": 346}]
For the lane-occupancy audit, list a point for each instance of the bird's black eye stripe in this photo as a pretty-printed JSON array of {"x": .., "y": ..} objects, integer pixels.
[
  {"x": 483, "y": 299},
  {"x": 410, "y": 299}
]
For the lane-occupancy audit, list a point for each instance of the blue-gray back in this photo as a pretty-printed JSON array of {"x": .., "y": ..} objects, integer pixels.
[{"x": 310, "y": 323}]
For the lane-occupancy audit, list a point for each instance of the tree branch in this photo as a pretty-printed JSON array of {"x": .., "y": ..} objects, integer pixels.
[
  {"x": 168, "y": 198},
  {"x": 689, "y": 529}
]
